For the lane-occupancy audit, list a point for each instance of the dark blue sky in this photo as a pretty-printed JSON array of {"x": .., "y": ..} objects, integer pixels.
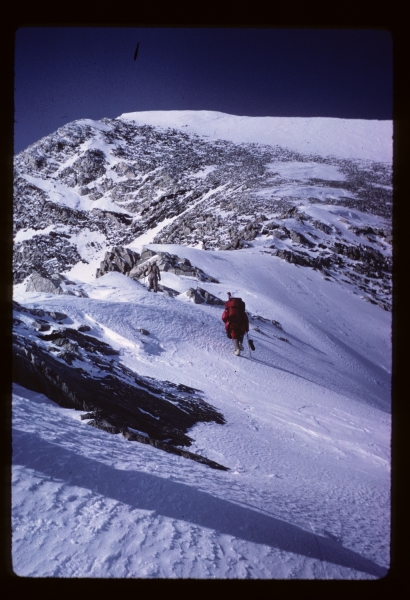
[{"x": 63, "y": 74}]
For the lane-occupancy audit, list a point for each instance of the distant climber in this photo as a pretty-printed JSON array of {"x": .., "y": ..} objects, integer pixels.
[
  {"x": 153, "y": 276},
  {"x": 236, "y": 322},
  {"x": 136, "y": 52}
]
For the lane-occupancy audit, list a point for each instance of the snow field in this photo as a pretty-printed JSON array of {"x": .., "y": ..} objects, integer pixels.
[
  {"x": 125, "y": 510},
  {"x": 307, "y": 437},
  {"x": 345, "y": 138}
]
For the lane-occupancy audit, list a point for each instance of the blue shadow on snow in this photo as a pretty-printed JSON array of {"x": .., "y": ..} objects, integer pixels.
[{"x": 180, "y": 501}]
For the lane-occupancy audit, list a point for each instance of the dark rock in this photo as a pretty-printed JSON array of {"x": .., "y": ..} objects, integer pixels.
[
  {"x": 201, "y": 296},
  {"x": 86, "y": 416},
  {"x": 77, "y": 292},
  {"x": 299, "y": 238},
  {"x": 119, "y": 220},
  {"x": 169, "y": 263},
  {"x": 146, "y": 253},
  {"x": 96, "y": 195},
  {"x": 322, "y": 227},
  {"x": 118, "y": 400},
  {"x": 292, "y": 257},
  {"x": 210, "y": 298},
  {"x": 195, "y": 296},
  {"x": 89, "y": 166},
  {"x": 279, "y": 234},
  {"x": 36, "y": 312},
  {"x": 122, "y": 260},
  {"x": 41, "y": 325},
  {"x": 58, "y": 316},
  {"x": 87, "y": 342},
  {"x": 167, "y": 291},
  {"x": 173, "y": 450}
]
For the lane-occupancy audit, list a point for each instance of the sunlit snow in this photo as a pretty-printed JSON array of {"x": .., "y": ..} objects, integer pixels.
[
  {"x": 302, "y": 171},
  {"x": 344, "y": 138},
  {"x": 307, "y": 438},
  {"x": 308, "y": 422}
]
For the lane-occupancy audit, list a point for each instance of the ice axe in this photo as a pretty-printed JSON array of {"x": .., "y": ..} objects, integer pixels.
[{"x": 250, "y": 344}]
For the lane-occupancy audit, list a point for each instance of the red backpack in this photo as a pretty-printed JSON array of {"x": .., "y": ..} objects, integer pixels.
[
  {"x": 235, "y": 310},
  {"x": 235, "y": 318}
]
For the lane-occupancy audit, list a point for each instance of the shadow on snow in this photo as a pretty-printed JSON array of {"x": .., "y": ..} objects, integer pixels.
[{"x": 179, "y": 501}]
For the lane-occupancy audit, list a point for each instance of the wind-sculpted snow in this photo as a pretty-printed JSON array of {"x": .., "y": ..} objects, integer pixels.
[{"x": 143, "y": 492}]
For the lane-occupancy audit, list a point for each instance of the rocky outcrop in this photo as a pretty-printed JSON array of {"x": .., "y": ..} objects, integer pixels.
[
  {"x": 119, "y": 259},
  {"x": 39, "y": 312},
  {"x": 47, "y": 254},
  {"x": 71, "y": 340},
  {"x": 134, "y": 265},
  {"x": 174, "y": 264},
  {"x": 299, "y": 238},
  {"x": 79, "y": 371},
  {"x": 303, "y": 259},
  {"x": 53, "y": 284},
  {"x": 48, "y": 285},
  {"x": 212, "y": 193},
  {"x": 369, "y": 256},
  {"x": 86, "y": 169},
  {"x": 201, "y": 296}
]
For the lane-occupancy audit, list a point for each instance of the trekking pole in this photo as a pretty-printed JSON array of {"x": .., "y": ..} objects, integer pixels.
[{"x": 249, "y": 347}]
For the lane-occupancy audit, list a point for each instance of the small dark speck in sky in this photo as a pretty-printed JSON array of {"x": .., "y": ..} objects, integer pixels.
[
  {"x": 86, "y": 72},
  {"x": 136, "y": 51}
]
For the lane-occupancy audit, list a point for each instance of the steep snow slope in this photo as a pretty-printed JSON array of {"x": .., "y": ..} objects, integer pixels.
[
  {"x": 307, "y": 438},
  {"x": 306, "y": 203}
]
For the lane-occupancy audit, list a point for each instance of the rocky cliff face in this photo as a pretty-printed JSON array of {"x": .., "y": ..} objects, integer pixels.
[{"x": 92, "y": 186}]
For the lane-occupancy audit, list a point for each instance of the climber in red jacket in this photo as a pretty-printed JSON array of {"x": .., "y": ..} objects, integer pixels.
[{"x": 236, "y": 322}]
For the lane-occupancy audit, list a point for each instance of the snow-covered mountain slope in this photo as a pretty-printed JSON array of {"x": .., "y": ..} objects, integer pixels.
[
  {"x": 306, "y": 439},
  {"x": 306, "y": 425},
  {"x": 95, "y": 184},
  {"x": 343, "y": 138}
]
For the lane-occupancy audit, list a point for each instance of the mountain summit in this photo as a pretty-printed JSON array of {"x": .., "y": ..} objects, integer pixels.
[{"x": 342, "y": 138}]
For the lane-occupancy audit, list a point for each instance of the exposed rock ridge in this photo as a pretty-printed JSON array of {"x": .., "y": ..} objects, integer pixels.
[
  {"x": 215, "y": 193},
  {"x": 73, "y": 369}
]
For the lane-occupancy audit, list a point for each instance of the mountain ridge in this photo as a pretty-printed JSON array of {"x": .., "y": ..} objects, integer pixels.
[
  {"x": 324, "y": 135},
  {"x": 288, "y": 470},
  {"x": 94, "y": 185}
]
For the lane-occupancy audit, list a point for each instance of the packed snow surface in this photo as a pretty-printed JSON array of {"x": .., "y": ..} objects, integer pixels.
[
  {"x": 343, "y": 138},
  {"x": 306, "y": 439}
]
